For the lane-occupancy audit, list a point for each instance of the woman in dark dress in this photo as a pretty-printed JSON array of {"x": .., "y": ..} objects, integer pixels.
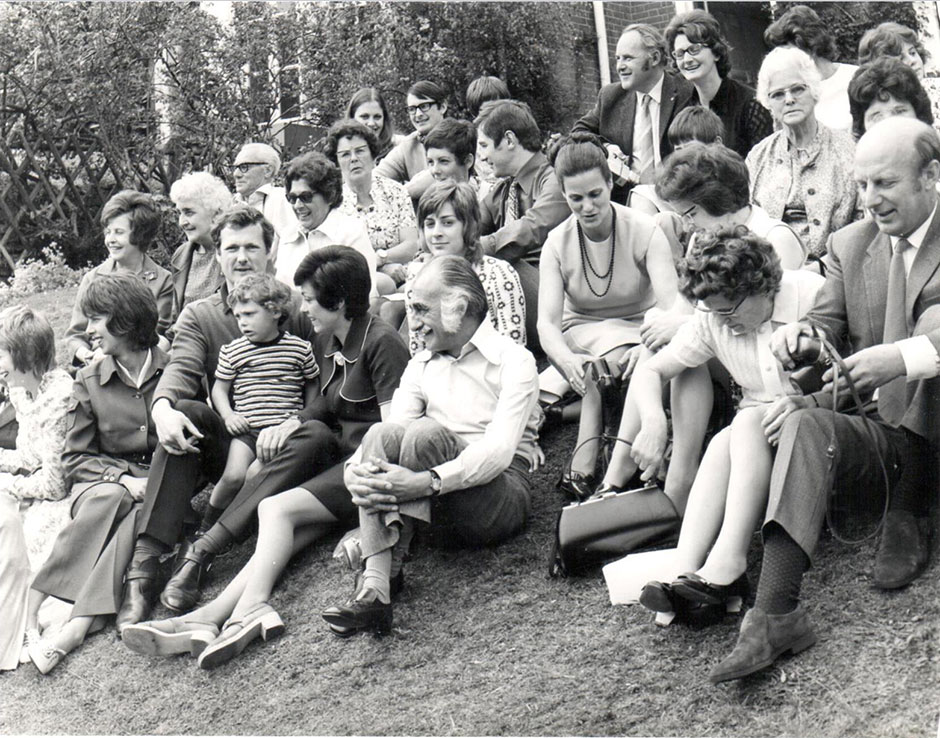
[
  {"x": 702, "y": 56},
  {"x": 361, "y": 359}
]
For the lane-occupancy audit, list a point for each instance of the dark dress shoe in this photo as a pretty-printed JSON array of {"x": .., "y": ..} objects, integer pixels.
[
  {"x": 182, "y": 591},
  {"x": 576, "y": 485},
  {"x": 396, "y": 585},
  {"x": 903, "y": 553},
  {"x": 138, "y": 594},
  {"x": 693, "y": 588},
  {"x": 763, "y": 638},
  {"x": 361, "y": 615},
  {"x": 658, "y": 597}
]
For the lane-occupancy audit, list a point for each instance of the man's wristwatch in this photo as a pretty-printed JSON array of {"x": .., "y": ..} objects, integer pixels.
[{"x": 436, "y": 483}]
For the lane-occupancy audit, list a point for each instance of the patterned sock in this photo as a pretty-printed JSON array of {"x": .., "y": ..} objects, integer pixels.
[
  {"x": 781, "y": 574},
  {"x": 375, "y": 578}
]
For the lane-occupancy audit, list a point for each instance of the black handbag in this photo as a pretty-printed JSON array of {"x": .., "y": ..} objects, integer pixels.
[{"x": 606, "y": 527}]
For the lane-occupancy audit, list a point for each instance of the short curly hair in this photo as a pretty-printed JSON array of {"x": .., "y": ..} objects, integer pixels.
[
  {"x": 880, "y": 79},
  {"x": 701, "y": 27},
  {"x": 787, "y": 59},
  {"x": 143, "y": 212},
  {"x": 888, "y": 39},
  {"x": 711, "y": 176},
  {"x": 463, "y": 199},
  {"x": 802, "y": 28},
  {"x": 128, "y": 305},
  {"x": 264, "y": 290},
  {"x": 730, "y": 262},
  {"x": 320, "y": 174},
  {"x": 207, "y": 189},
  {"x": 348, "y": 128}
]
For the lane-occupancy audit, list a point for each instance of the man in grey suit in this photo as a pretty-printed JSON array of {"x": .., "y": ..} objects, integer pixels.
[
  {"x": 634, "y": 114},
  {"x": 881, "y": 305}
]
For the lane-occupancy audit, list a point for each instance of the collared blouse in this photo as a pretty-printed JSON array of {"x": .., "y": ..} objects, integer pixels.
[
  {"x": 158, "y": 280},
  {"x": 357, "y": 377},
  {"x": 821, "y": 178},
  {"x": 110, "y": 429},
  {"x": 390, "y": 212}
]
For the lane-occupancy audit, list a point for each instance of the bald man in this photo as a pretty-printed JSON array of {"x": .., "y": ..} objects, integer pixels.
[
  {"x": 255, "y": 168},
  {"x": 880, "y": 307}
]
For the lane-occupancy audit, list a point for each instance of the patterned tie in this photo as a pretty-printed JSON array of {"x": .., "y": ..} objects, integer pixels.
[
  {"x": 513, "y": 209},
  {"x": 643, "y": 155},
  {"x": 892, "y": 397}
]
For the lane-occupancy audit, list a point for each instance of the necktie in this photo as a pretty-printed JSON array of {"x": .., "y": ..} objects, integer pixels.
[
  {"x": 513, "y": 209},
  {"x": 643, "y": 156},
  {"x": 892, "y": 396}
]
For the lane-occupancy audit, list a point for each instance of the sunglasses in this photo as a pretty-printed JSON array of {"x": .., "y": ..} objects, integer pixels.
[
  {"x": 305, "y": 197},
  {"x": 723, "y": 312},
  {"x": 423, "y": 107},
  {"x": 692, "y": 50},
  {"x": 246, "y": 166}
]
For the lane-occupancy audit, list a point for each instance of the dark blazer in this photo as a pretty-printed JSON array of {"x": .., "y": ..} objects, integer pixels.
[
  {"x": 613, "y": 115},
  {"x": 851, "y": 305}
]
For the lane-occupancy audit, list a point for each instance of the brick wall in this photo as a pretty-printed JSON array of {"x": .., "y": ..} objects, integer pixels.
[{"x": 576, "y": 70}]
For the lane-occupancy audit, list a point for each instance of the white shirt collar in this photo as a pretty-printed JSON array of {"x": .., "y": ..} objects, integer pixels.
[
  {"x": 656, "y": 93},
  {"x": 144, "y": 369},
  {"x": 918, "y": 236}
]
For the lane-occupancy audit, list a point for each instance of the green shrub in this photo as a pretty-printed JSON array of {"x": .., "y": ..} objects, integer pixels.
[{"x": 43, "y": 274}]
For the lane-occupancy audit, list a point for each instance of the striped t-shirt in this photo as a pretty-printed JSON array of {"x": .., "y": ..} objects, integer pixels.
[{"x": 267, "y": 378}]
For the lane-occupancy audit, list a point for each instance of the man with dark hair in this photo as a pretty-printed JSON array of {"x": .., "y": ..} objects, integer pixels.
[
  {"x": 456, "y": 449},
  {"x": 633, "y": 115},
  {"x": 522, "y": 208},
  {"x": 193, "y": 441},
  {"x": 880, "y": 305}
]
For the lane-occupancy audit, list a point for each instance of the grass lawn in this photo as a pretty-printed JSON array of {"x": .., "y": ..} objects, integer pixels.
[{"x": 484, "y": 643}]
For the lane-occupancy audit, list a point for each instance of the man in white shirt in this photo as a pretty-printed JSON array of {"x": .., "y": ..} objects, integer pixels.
[
  {"x": 254, "y": 170},
  {"x": 315, "y": 191},
  {"x": 456, "y": 449}
]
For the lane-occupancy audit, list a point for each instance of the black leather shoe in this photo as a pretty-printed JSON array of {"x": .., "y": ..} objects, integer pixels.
[
  {"x": 576, "y": 485},
  {"x": 903, "y": 553},
  {"x": 182, "y": 591},
  {"x": 360, "y": 615},
  {"x": 138, "y": 593},
  {"x": 658, "y": 597},
  {"x": 396, "y": 585},
  {"x": 693, "y": 588}
]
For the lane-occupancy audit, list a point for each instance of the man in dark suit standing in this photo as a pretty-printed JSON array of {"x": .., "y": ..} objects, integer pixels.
[
  {"x": 881, "y": 303},
  {"x": 633, "y": 115}
]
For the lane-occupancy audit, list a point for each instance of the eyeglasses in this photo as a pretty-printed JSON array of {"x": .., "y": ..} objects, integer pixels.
[
  {"x": 796, "y": 92},
  {"x": 423, "y": 107},
  {"x": 723, "y": 312},
  {"x": 692, "y": 50},
  {"x": 305, "y": 197},
  {"x": 246, "y": 166}
]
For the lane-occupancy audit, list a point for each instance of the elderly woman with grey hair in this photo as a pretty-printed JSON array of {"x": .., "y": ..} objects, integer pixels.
[
  {"x": 254, "y": 170},
  {"x": 803, "y": 173},
  {"x": 199, "y": 197}
]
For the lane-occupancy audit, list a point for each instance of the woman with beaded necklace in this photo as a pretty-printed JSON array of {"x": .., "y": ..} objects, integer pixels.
[{"x": 600, "y": 271}]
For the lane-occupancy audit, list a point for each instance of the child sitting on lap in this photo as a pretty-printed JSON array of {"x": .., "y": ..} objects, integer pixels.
[{"x": 269, "y": 374}]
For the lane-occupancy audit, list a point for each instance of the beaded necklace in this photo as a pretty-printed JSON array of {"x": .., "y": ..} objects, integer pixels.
[{"x": 586, "y": 264}]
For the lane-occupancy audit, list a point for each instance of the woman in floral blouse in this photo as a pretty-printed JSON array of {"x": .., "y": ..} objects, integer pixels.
[
  {"x": 131, "y": 222},
  {"x": 382, "y": 204},
  {"x": 31, "y": 476}
]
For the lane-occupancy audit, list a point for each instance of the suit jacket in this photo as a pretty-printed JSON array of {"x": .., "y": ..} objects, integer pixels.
[
  {"x": 851, "y": 305},
  {"x": 613, "y": 115}
]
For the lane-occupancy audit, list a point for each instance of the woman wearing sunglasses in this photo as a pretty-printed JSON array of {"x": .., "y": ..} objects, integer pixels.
[
  {"x": 426, "y": 104},
  {"x": 702, "y": 57},
  {"x": 735, "y": 281},
  {"x": 315, "y": 191},
  {"x": 804, "y": 173}
]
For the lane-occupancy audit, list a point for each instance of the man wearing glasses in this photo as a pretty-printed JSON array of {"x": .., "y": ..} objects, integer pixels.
[
  {"x": 407, "y": 164},
  {"x": 633, "y": 115},
  {"x": 254, "y": 170}
]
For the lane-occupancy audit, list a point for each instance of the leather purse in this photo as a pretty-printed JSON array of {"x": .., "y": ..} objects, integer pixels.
[{"x": 606, "y": 527}]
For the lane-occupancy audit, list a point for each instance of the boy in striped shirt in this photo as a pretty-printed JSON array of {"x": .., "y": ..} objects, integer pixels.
[{"x": 264, "y": 377}]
